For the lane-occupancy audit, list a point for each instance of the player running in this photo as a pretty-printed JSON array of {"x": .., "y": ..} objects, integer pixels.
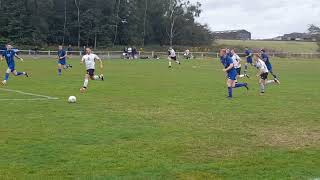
[
  {"x": 231, "y": 73},
  {"x": 263, "y": 74},
  {"x": 266, "y": 60},
  {"x": 90, "y": 60},
  {"x": 172, "y": 57},
  {"x": 9, "y": 54},
  {"x": 237, "y": 64},
  {"x": 249, "y": 56},
  {"x": 62, "y": 62}
]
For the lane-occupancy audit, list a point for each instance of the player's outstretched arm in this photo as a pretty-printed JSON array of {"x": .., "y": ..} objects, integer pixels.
[{"x": 21, "y": 59}]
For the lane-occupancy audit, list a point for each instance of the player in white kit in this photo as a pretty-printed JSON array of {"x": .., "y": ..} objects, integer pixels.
[
  {"x": 263, "y": 74},
  {"x": 237, "y": 64},
  {"x": 172, "y": 57},
  {"x": 90, "y": 61}
]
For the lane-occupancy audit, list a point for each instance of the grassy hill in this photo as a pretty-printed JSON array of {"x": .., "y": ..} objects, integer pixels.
[{"x": 286, "y": 46}]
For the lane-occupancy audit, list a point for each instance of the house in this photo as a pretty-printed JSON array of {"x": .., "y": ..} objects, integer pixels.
[{"x": 233, "y": 35}]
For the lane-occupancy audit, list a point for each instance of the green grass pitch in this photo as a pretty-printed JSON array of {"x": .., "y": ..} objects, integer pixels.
[
  {"x": 146, "y": 121},
  {"x": 283, "y": 46}
]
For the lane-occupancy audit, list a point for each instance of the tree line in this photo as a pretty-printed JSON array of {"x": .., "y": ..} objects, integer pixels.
[
  {"x": 315, "y": 31},
  {"x": 102, "y": 23}
]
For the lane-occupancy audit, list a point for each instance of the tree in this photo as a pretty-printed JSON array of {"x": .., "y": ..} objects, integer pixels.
[
  {"x": 102, "y": 23},
  {"x": 315, "y": 31},
  {"x": 77, "y": 3},
  {"x": 144, "y": 22},
  {"x": 65, "y": 21}
]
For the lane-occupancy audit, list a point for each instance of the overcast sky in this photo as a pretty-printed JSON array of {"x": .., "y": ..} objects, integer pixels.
[{"x": 263, "y": 18}]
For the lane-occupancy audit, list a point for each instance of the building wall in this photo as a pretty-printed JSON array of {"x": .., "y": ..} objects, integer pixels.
[{"x": 233, "y": 35}]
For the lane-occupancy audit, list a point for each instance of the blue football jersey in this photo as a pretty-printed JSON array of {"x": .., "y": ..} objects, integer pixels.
[
  {"x": 62, "y": 53},
  {"x": 265, "y": 58},
  {"x": 9, "y": 56}
]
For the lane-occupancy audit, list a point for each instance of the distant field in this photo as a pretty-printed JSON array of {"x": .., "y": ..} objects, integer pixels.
[
  {"x": 286, "y": 46},
  {"x": 146, "y": 121}
]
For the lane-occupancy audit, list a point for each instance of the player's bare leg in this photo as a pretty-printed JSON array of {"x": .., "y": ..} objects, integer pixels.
[{"x": 85, "y": 84}]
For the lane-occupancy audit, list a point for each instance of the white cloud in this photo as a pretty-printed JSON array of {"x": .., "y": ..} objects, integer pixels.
[{"x": 264, "y": 18}]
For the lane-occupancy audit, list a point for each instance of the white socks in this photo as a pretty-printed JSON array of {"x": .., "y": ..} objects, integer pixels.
[
  {"x": 262, "y": 88},
  {"x": 86, "y": 82},
  {"x": 270, "y": 81}
]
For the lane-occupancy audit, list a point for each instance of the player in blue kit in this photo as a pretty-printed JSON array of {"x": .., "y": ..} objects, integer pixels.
[
  {"x": 9, "y": 54},
  {"x": 249, "y": 56},
  {"x": 265, "y": 58},
  {"x": 62, "y": 62},
  {"x": 231, "y": 73}
]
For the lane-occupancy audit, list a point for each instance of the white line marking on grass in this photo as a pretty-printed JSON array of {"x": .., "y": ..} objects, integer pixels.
[
  {"x": 34, "y": 99},
  {"x": 41, "y": 97}
]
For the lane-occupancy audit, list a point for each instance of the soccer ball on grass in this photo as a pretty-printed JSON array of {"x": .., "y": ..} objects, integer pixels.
[{"x": 72, "y": 99}]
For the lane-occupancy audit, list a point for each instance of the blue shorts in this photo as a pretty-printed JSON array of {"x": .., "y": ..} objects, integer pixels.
[
  {"x": 12, "y": 68},
  {"x": 249, "y": 60},
  {"x": 62, "y": 62},
  {"x": 232, "y": 75},
  {"x": 269, "y": 66}
]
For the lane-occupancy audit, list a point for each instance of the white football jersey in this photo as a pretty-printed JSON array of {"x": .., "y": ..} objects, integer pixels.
[
  {"x": 89, "y": 60},
  {"x": 262, "y": 66},
  {"x": 172, "y": 53},
  {"x": 236, "y": 61}
]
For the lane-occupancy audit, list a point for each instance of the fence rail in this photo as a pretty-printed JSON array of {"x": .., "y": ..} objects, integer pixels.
[{"x": 156, "y": 54}]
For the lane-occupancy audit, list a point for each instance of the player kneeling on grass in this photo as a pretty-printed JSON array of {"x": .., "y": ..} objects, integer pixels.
[
  {"x": 172, "y": 57},
  {"x": 89, "y": 61},
  {"x": 263, "y": 74},
  {"x": 231, "y": 73},
  {"x": 62, "y": 62},
  {"x": 9, "y": 54}
]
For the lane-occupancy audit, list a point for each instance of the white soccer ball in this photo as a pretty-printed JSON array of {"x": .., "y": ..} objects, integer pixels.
[{"x": 72, "y": 99}]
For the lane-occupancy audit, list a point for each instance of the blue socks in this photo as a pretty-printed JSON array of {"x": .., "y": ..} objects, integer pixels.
[
  {"x": 239, "y": 85},
  {"x": 6, "y": 77},
  {"x": 20, "y": 73},
  {"x": 230, "y": 92}
]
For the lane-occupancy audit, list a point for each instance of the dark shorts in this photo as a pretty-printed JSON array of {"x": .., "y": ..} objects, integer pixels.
[
  {"x": 238, "y": 71},
  {"x": 264, "y": 76},
  {"x": 232, "y": 75},
  {"x": 249, "y": 60},
  {"x": 62, "y": 62},
  {"x": 12, "y": 69},
  {"x": 174, "y": 58},
  {"x": 90, "y": 72}
]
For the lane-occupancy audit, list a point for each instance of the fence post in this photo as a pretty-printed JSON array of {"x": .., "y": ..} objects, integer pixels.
[
  {"x": 152, "y": 53},
  {"x": 49, "y": 53},
  {"x": 108, "y": 55}
]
